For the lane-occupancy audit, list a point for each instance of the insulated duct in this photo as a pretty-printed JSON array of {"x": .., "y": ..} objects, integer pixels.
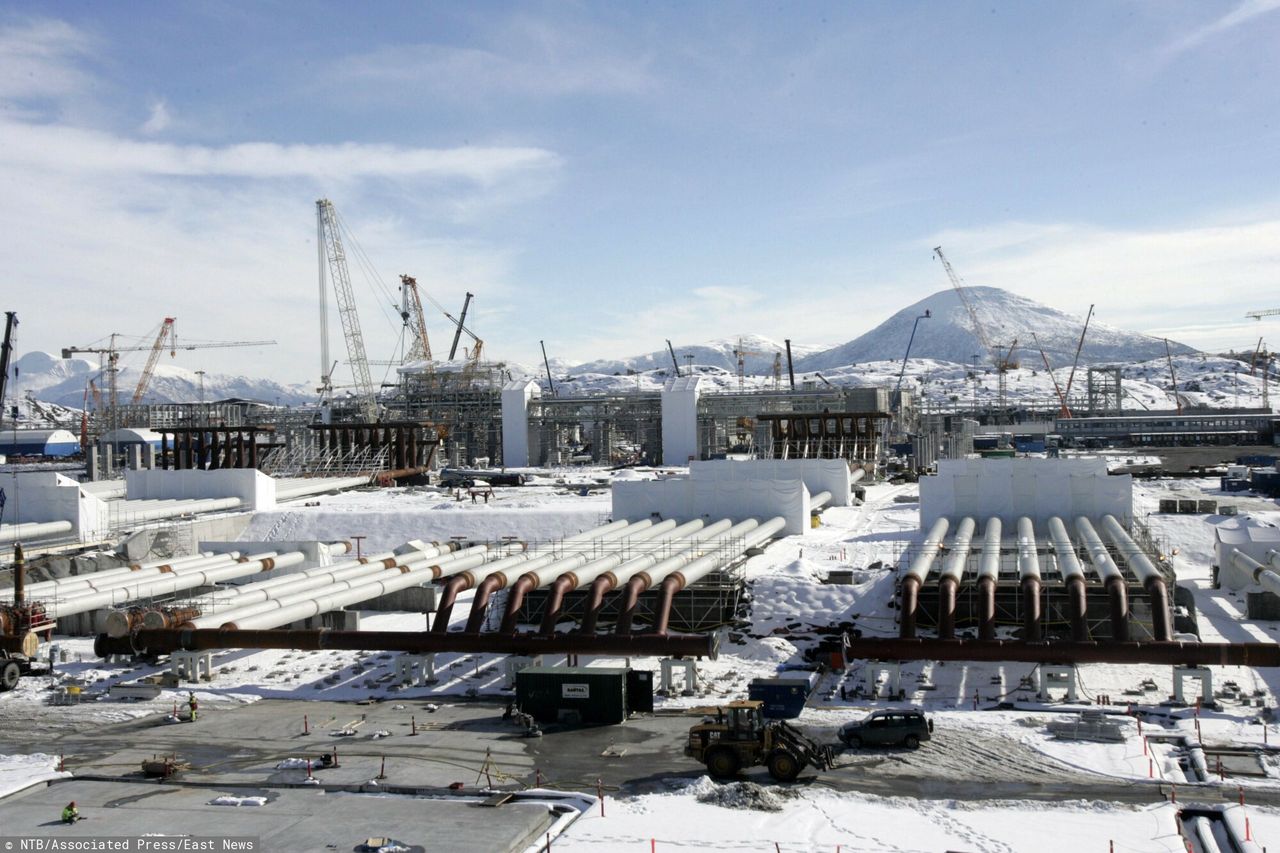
[
  {"x": 536, "y": 578},
  {"x": 952, "y": 575},
  {"x": 648, "y": 578},
  {"x": 466, "y": 580},
  {"x": 988, "y": 575},
  {"x": 679, "y": 579},
  {"x": 578, "y": 578},
  {"x": 1072, "y": 578},
  {"x": 498, "y": 579},
  {"x": 1029, "y": 578},
  {"x": 681, "y": 554},
  {"x": 916, "y": 576},
  {"x": 1152, "y": 580},
  {"x": 1111, "y": 576}
]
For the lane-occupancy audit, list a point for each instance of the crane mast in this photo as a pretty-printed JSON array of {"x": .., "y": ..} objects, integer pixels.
[
  {"x": 166, "y": 330},
  {"x": 337, "y": 268},
  {"x": 1003, "y": 361},
  {"x": 411, "y": 314},
  {"x": 6, "y": 349}
]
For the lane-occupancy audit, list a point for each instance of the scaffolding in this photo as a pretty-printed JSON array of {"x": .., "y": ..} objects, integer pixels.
[
  {"x": 606, "y": 429},
  {"x": 464, "y": 405},
  {"x": 1104, "y": 391}
]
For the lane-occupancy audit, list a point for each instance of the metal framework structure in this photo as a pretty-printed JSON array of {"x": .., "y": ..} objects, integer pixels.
[
  {"x": 335, "y": 255},
  {"x": 1104, "y": 392},
  {"x": 464, "y": 406},
  {"x": 612, "y": 429}
]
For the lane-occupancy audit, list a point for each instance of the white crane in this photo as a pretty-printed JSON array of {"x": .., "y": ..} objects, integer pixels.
[{"x": 334, "y": 258}]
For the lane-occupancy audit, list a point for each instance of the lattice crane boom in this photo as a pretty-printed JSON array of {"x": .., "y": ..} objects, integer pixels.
[
  {"x": 166, "y": 331},
  {"x": 411, "y": 314},
  {"x": 1266, "y": 312},
  {"x": 336, "y": 258},
  {"x": 978, "y": 328}
]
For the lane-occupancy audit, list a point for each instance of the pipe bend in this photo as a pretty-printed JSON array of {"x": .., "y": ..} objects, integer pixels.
[
  {"x": 526, "y": 582},
  {"x": 631, "y": 597},
  {"x": 910, "y": 599},
  {"x": 444, "y": 610},
  {"x": 561, "y": 587},
  {"x": 480, "y": 604}
]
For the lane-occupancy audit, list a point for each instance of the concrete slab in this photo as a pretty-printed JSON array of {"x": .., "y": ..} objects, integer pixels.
[{"x": 290, "y": 820}]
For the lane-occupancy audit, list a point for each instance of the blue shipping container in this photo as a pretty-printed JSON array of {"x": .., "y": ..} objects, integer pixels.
[{"x": 783, "y": 698}]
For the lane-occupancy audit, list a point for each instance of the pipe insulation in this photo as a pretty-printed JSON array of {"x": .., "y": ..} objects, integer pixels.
[
  {"x": 818, "y": 501},
  {"x": 654, "y": 549},
  {"x": 541, "y": 556},
  {"x": 535, "y": 578},
  {"x": 229, "y": 598},
  {"x": 1152, "y": 580},
  {"x": 498, "y": 579},
  {"x": 1111, "y": 577},
  {"x": 649, "y": 578},
  {"x": 952, "y": 574},
  {"x": 916, "y": 575},
  {"x": 1072, "y": 578},
  {"x": 235, "y": 616},
  {"x": 1029, "y": 578},
  {"x": 33, "y": 530},
  {"x": 679, "y": 579},
  {"x": 988, "y": 575},
  {"x": 1261, "y": 574},
  {"x": 683, "y": 552},
  {"x": 306, "y": 605},
  {"x": 61, "y": 585},
  {"x": 89, "y": 585},
  {"x": 171, "y": 583}
]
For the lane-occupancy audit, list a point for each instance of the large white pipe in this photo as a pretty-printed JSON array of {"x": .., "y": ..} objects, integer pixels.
[
  {"x": 1138, "y": 561},
  {"x": 290, "y": 596},
  {"x": 1253, "y": 570},
  {"x": 989, "y": 565},
  {"x": 169, "y": 584},
  {"x": 90, "y": 585},
  {"x": 1099, "y": 556},
  {"x": 149, "y": 512},
  {"x": 83, "y": 581},
  {"x": 1028, "y": 554},
  {"x": 929, "y": 550},
  {"x": 953, "y": 565},
  {"x": 299, "y": 487},
  {"x": 33, "y": 530},
  {"x": 334, "y": 599},
  {"x": 858, "y": 474},
  {"x": 1068, "y": 562},
  {"x": 819, "y": 500},
  {"x": 700, "y": 568}
]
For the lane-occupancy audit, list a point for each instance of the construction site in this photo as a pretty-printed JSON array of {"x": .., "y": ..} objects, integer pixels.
[{"x": 509, "y": 596}]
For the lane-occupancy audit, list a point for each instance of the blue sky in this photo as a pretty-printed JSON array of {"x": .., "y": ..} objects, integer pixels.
[{"x": 608, "y": 175}]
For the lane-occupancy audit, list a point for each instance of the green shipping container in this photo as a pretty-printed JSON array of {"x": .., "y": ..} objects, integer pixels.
[{"x": 579, "y": 694}]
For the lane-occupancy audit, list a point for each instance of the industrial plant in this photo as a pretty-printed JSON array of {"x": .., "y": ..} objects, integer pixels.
[{"x": 533, "y": 590}]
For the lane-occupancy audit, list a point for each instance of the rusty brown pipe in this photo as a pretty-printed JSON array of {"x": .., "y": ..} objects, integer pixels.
[
  {"x": 671, "y": 584},
  {"x": 907, "y": 611},
  {"x": 1172, "y": 653},
  {"x": 168, "y": 617},
  {"x": 1031, "y": 609},
  {"x": 986, "y": 608},
  {"x": 526, "y": 582},
  {"x": 414, "y": 642},
  {"x": 601, "y": 586},
  {"x": 1119, "y": 598},
  {"x": 1077, "y": 604},
  {"x": 19, "y": 577},
  {"x": 480, "y": 604},
  {"x": 460, "y": 582},
  {"x": 630, "y": 598},
  {"x": 561, "y": 587},
  {"x": 947, "y": 588},
  {"x": 1159, "y": 596}
]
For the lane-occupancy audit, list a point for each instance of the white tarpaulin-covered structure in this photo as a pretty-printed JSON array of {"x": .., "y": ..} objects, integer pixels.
[
  {"x": 818, "y": 475},
  {"x": 680, "y": 420},
  {"x": 736, "y": 490},
  {"x": 1038, "y": 489}
]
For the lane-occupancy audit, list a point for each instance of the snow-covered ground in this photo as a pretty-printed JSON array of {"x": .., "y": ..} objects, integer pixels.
[
  {"x": 789, "y": 598},
  {"x": 18, "y": 772}
]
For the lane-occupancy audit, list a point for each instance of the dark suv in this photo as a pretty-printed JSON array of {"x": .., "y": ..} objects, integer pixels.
[{"x": 891, "y": 727}]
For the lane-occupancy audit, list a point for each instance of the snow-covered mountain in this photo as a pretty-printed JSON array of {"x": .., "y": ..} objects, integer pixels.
[
  {"x": 948, "y": 334},
  {"x": 63, "y": 381},
  {"x": 719, "y": 353}
]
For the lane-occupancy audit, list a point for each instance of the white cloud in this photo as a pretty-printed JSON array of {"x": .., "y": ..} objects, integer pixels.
[
  {"x": 37, "y": 59},
  {"x": 159, "y": 119},
  {"x": 521, "y": 56},
  {"x": 60, "y": 146},
  {"x": 1246, "y": 11}
]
